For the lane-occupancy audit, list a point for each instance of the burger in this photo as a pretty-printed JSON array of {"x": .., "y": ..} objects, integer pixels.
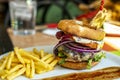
[{"x": 80, "y": 45}]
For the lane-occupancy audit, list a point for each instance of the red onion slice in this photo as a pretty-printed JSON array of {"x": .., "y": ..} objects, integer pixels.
[
  {"x": 59, "y": 34},
  {"x": 77, "y": 45},
  {"x": 61, "y": 43},
  {"x": 67, "y": 41},
  {"x": 81, "y": 50}
]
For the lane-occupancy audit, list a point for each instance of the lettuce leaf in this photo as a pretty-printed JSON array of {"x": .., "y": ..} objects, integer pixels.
[{"x": 96, "y": 58}]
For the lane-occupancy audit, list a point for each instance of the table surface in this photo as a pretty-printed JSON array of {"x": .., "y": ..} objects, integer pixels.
[{"x": 40, "y": 39}]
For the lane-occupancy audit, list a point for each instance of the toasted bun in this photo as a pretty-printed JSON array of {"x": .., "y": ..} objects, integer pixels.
[
  {"x": 78, "y": 66},
  {"x": 70, "y": 26}
]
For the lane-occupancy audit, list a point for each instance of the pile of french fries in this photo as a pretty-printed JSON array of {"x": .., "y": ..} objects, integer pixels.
[{"x": 28, "y": 63}]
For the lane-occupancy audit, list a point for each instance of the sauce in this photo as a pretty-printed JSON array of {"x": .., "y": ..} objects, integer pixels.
[{"x": 108, "y": 73}]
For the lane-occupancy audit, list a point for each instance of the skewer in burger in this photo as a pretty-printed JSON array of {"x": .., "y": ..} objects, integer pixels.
[{"x": 80, "y": 44}]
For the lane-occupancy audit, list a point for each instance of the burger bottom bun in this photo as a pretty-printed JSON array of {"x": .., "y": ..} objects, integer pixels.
[{"x": 76, "y": 65}]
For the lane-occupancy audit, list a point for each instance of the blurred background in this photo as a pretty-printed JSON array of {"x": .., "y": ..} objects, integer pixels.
[{"x": 51, "y": 11}]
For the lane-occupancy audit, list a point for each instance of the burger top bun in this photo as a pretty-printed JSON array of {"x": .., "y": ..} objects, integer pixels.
[{"x": 74, "y": 28}]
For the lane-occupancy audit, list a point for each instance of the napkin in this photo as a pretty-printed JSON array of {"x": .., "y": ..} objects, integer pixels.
[{"x": 111, "y": 30}]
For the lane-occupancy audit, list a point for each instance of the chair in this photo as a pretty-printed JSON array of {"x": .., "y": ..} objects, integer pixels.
[
  {"x": 46, "y": 4},
  {"x": 5, "y": 42}
]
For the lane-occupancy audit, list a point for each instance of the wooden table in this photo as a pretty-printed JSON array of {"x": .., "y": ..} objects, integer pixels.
[{"x": 40, "y": 39}]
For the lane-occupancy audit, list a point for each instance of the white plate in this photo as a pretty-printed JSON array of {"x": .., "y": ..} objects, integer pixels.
[
  {"x": 50, "y": 31},
  {"x": 110, "y": 60}
]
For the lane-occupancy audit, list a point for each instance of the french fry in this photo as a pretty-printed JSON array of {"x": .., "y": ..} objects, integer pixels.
[
  {"x": 18, "y": 55},
  {"x": 15, "y": 74},
  {"x": 2, "y": 59},
  {"x": 1, "y": 63},
  {"x": 20, "y": 62},
  {"x": 26, "y": 54},
  {"x": 26, "y": 60},
  {"x": 54, "y": 63},
  {"x": 14, "y": 64},
  {"x": 32, "y": 72},
  {"x": 15, "y": 59},
  {"x": 46, "y": 57},
  {"x": 49, "y": 60},
  {"x": 36, "y": 52},
  {"x": 39, "y": 69},
  {"x": 27, "y": 70},
  {"x": 15, "y": 68},
  {"x": 4, "y": 63},
  {"x": 3, "y": 76},
  {"x": 11, "y": 56},
  {"x": 41, "y": 64},
  {"x": 3, "y": 72},
  {"x": 42, "y": 53},
  {"x": 12, "y": 70}
]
